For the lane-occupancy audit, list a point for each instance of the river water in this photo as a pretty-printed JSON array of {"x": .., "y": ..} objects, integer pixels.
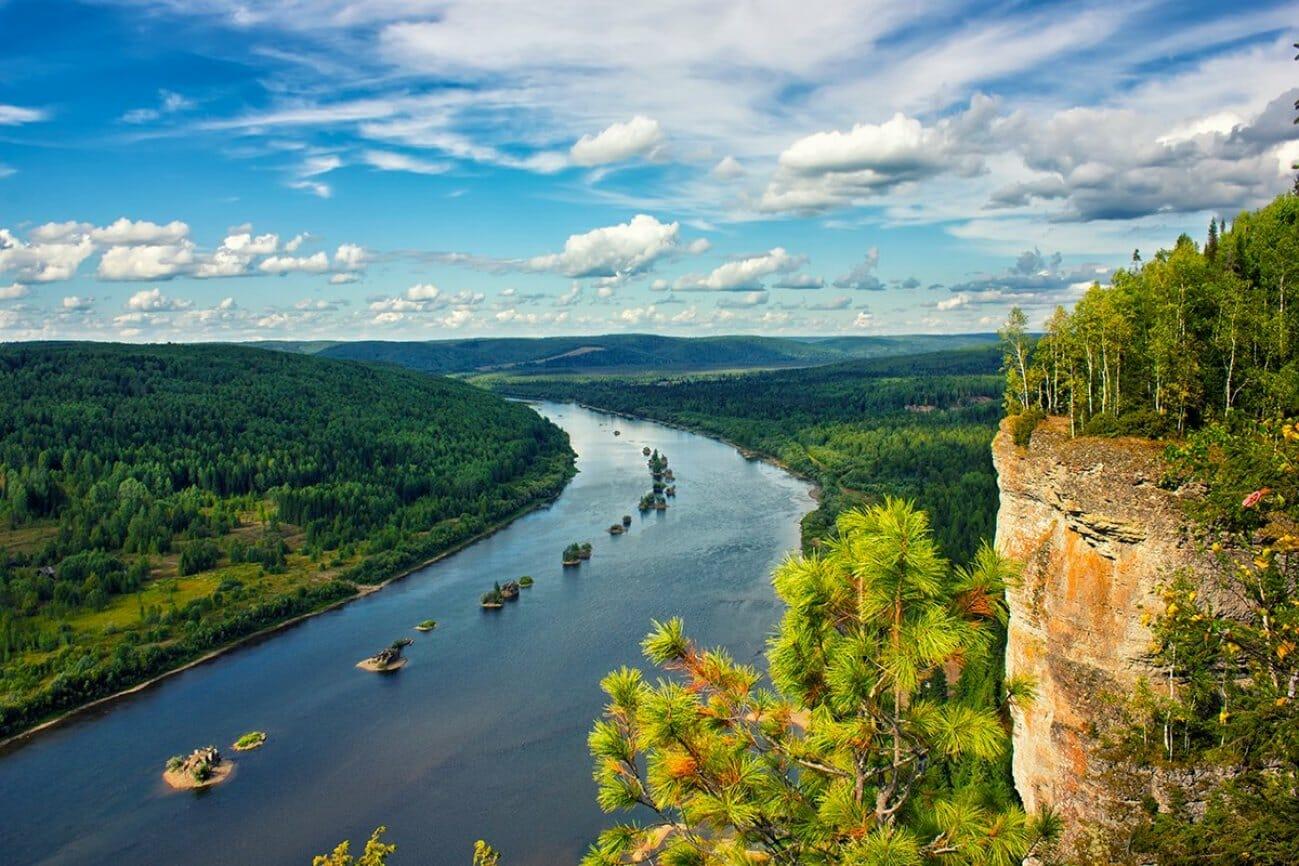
[{"x": 482, "y": 735}]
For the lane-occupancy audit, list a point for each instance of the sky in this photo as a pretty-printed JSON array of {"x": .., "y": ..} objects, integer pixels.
[{"x": 176, "y": 170}]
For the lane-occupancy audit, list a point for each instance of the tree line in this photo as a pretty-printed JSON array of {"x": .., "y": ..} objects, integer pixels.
[{"x": 1194, "y": 334}]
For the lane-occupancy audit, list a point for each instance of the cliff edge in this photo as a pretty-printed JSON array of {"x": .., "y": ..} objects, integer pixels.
[{"x": 1096, "y": 536}]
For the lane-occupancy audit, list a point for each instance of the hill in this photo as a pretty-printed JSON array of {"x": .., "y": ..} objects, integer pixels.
[
  {"x": 162, "y": 501},
  {"x": 623, "y": 353}
]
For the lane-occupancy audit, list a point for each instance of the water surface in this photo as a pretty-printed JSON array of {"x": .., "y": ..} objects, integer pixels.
[{"x": 482, "y": 735}]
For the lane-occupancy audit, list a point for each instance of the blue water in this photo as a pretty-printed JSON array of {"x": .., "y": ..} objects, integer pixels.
[{"x": 482, "y": 735}]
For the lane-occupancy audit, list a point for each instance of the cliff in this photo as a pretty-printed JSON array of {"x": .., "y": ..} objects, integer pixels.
[{"x": 1096, "y": 534}]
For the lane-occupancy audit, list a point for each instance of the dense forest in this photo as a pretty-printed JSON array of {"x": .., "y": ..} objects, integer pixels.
[
  {"x": 1197, "y": 346},
  {"x": 156, "y": 502},
  {"x": 916, "y": 427},
  {"x": 1196, "y": 333},
  {"x": 626, "y": 353}
]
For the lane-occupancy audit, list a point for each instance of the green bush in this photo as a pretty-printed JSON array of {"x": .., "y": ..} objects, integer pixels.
[{"x": 1023, "y": 425}]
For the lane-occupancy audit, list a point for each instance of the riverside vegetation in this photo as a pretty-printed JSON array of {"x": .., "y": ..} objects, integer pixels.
[
  {"x": 157, "y": 503},
  {"x": 1197, "y": 346}
]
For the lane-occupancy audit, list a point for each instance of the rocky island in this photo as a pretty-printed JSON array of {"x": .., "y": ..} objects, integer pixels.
[
  {"x": 388, "y": 659},
  {"x": 201, "y": 768}
]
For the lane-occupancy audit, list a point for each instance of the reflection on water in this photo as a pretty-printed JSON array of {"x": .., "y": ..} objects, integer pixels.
[{"x": 482, "y": 735}]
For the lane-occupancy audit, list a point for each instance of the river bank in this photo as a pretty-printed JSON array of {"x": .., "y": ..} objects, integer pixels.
[{"x": 363, "y": 590}]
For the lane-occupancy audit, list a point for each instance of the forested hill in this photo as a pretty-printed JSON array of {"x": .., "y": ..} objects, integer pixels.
[
  {"x": 158, "y": 501},
  {"x": 626, "y": 353},
  {"x": 917, "y": 426}
]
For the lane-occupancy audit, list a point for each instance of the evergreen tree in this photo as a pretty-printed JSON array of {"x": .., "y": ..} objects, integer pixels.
[{"x": 845, "y": 760}]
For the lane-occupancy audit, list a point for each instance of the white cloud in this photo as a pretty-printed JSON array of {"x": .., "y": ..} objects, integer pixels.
[
  {"x": 42, "y": 262},
  {"x": 16, "y": 115},
  {"x": 423, "y": 292},
  {"x": 154, "y": 301},
  {"x": 235, "y": 255},
  {"x": 316, "y": 263},
  {"x": 125, "y": 232},
  {"x": 14, "y": 292},
  {"x": 640, "y": 136},
  {"x": 743, "y": 274},
  {"x": 74, "y": 303},
  {"x": 146, "y": 262},
  {"x": 386, "y": 160},
  {"x": 613, "y": 251},
  {"x": 350, "y": 257}
]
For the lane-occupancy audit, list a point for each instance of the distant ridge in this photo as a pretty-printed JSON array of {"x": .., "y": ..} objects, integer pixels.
[{"x": 624, "y": 353}]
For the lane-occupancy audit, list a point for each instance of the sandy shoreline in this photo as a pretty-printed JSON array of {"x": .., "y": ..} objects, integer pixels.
[{"x": 362, "y": 592}]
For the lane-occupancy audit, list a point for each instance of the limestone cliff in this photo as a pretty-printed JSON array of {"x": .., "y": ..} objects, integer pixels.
[{"x": 1096, "y": 534}]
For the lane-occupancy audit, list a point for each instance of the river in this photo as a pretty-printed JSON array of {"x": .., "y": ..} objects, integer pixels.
[{"x": 482, "y": 735}]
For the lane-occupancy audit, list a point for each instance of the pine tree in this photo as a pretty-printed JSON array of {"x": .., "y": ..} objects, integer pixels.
[
  {"x": 1211, "y": 245},
  {"x": 844, "y": 761}
]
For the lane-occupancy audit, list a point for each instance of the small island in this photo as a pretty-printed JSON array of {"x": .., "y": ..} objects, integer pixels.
[
  {"x": 617, "y": 432},
  {"x": 526, "y": 581},
  {"x": 617, "y": 529},
  {"x": 645, "y": 451},
  {"x": 427, "y": 625},
  {"x": 576, "y": 552},
  {"x": 202, "y": 768},
  {"x": 626, "y": 520},
  {"x": 249, "y": 741},
  {"x": 510, "y": 590},
  {"x": 671, "y": 490},
  {"x": 388, "y": 659},
  {"x": 493, "y": 599}
]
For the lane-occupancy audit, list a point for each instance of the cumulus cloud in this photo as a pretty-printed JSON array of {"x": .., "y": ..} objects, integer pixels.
[
  {"x": 838, "y": 168},
  {"x": 76, "y": 303},
  {"x": 124, "y": 231},
  {"x": 742, "y": 274},
  {"x": 350, "y": 257},
  {"x": 234, "y": 257},
  {"x": 1122, "y": 164},
  {"x": 146, "y": 262},
  {"x": 154, "y": 301},
  {"x": 862, "y": 276},
  {"x": 42, "y": 262},
  {"x": 14, "y": 292},
  {"x": 639, "y": 137},
  {"x": 620, "y": 250},
  {"x": 799, "y": 281}
]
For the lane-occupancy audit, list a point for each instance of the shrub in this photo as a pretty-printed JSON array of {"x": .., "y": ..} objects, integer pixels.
[{"x": 1023, "y": 425}]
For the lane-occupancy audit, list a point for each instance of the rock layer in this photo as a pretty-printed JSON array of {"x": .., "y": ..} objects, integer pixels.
[{"x": 1096, "y": 535}]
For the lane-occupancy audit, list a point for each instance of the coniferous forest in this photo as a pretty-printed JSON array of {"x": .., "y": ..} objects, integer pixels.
[{"x": 158, "y": 502}]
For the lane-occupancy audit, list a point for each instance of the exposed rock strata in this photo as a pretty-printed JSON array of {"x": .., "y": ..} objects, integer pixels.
[{"x": 1096, "y": 534}]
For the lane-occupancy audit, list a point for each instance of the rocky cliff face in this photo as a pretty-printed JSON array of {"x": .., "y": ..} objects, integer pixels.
[{"x": 1096, "y": 535}]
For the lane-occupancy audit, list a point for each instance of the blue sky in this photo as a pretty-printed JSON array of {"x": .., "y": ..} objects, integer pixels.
[{"x": 344, "y": 169}]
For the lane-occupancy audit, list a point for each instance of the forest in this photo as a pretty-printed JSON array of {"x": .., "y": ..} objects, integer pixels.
[
  {"x": 917, "y": 427},
  {"x": 157, "y": 502},
  {"x": 1197, "y": 333},
  {"x": 1196, "y": 346}
]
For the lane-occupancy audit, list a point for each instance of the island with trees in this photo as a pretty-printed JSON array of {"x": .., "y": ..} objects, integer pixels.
[
  {"x": 390, "y": 658},
  {"x": 201, "y": 768}
]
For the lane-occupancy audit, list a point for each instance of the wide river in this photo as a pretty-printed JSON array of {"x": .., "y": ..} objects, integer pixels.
[{"x": 482, "y": 735}]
